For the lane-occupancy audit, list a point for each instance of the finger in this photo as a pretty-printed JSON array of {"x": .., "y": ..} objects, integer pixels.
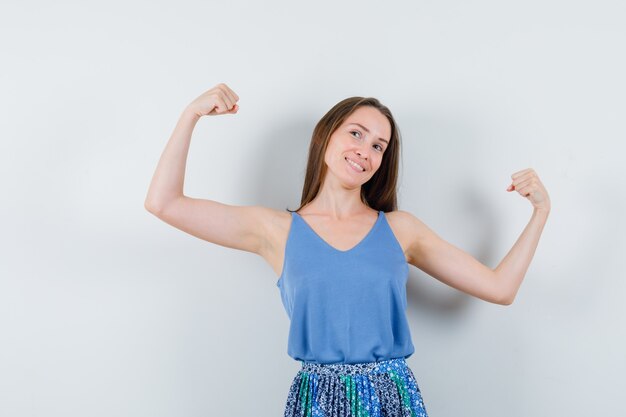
[
  {"x": 522, "y": 184},
  {"x": 519, "y": 176},
  {"x": 525, "y": 191},
  {"x": 229, "y": 103},
  {"x": 228, "y": 94},
  {"x": 520, "y": 173},
  {"x": 522, "y": 179},
  {"x": 234, "y": 97},
  {"x": 220, "y": 105},
  {"x": 230, "y": 91},
  {"x": 513, "y": 185},
  {"x": 526, "y": 188}
]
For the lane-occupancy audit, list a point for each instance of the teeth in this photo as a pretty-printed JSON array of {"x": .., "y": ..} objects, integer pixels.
[{"x": 355, "y": 164}]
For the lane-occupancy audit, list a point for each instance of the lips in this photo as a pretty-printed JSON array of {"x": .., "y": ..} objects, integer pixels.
[{"x": 362, "y": 169}]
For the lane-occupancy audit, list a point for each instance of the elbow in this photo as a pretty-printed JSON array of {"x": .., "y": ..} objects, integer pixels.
[
  {"x": 507, "y": 299},
  {"x": 157, "y": 205},
  {"x": 504, "y": 295},
  {"x": 151, "y": 207}
]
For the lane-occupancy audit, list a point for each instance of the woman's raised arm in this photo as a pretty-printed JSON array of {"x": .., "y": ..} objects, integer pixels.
[
  {"x": 460, "y": 270},
  {"x": 238, "y": 227}
]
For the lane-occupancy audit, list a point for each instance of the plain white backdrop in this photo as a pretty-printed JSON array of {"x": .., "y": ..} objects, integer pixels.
[{"x": 106, "y": 310}]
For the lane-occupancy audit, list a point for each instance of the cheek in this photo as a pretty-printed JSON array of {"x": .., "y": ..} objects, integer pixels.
[
  {"x": 330, "y": 158},
  {"x": 334, "y": 151},
  {"x": 379, "y": 163}
]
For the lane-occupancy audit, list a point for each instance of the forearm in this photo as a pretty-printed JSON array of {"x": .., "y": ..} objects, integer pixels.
[
  {"x": 169, "y": 177},
  {"x": 512, "y": 269}
]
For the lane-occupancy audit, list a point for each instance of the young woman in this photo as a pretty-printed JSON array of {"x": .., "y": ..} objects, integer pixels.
[{"x": 342, "y": 257}]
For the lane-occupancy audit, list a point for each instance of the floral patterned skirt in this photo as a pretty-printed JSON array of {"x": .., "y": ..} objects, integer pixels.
[{"x": 370, "y": 389}]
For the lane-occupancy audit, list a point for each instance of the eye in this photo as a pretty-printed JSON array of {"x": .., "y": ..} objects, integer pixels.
[{"x": 380, "y": 148}]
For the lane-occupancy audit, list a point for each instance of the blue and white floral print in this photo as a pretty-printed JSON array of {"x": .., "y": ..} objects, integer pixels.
[{"x": 371, "y": 389}]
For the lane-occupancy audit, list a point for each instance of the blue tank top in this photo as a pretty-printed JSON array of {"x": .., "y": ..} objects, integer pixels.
[{"x": 345, "y": 306}]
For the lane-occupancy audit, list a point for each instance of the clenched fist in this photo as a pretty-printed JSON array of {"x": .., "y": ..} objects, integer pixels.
[
  {"x": 527, "y": 183},
  {"x": 218, "y": 100}
]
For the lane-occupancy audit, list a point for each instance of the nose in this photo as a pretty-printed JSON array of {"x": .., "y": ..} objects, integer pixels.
[{"x": 362, "y": 153}]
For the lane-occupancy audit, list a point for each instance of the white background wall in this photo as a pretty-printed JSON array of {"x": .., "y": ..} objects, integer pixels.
[{"x": 105, "y": 310}]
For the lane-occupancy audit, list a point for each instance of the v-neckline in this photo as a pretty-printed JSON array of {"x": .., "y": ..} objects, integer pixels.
[{"x": 378, "y": 219}]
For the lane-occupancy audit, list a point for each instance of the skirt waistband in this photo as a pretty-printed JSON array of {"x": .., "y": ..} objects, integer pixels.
[{"x": 397, "y": 364}]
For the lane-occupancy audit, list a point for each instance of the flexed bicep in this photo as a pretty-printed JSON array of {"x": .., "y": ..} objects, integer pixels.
[{"x": 450, "y": 264}]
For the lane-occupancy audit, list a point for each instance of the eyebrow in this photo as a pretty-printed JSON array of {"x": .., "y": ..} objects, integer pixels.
[{"x": 368, "y": 131}]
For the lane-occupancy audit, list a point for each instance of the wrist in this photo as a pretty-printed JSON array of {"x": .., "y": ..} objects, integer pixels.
[{"x": 190, "y": 114}]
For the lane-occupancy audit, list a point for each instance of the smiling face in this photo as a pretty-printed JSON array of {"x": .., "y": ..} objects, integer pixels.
[{"x": 360, "y": 140}]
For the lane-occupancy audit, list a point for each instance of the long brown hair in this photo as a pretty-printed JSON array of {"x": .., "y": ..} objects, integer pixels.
[{"x": 379, "y": 192}]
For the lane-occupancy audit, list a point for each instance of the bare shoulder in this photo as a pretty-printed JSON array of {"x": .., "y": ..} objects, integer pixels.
[
  {"x": 399, "y": 217},
  {"x": 446, "y": 262},
  {"x": 275, "y": 221},
  {"x": 409, "y": 230}
]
